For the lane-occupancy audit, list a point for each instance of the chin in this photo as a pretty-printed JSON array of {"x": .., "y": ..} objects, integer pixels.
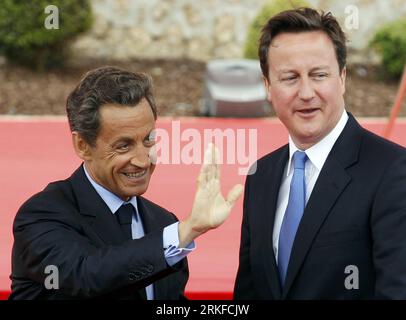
[
  {"x": 310, "y": 131},
  {"x": 307, "y": 138},
  {"x": 139, "y": 190}
]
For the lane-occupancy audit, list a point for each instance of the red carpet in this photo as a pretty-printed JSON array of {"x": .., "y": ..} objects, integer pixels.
[{"x": 35, "y": 152}]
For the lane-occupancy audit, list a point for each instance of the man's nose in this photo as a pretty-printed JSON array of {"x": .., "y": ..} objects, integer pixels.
[
  {"x": 140, "y": 157},
  {"x": 306, "y": 90}
]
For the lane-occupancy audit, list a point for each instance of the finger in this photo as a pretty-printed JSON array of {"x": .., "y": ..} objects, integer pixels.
[
  {"x": 202, "y": 178},
  {"x": 206, "y": 171},
  {"x": 234, "y": 194},
  {"x": 208, "y": 154},
  {"x": 212, "y": 172},
  {"x": 215, "y": 173},
  {"x": 217, "y": 163},
  {"x": 211, "y": 161},
  {"x": 213, "y": 153}
]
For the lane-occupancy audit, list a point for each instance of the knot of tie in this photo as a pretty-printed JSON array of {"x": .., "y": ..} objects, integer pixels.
[
  {"x": 299, "y": 160},
  {"x": 125, "y": 213}
]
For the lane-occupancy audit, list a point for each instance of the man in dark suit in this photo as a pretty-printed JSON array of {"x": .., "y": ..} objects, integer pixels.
[
  {"x": 93, "y": 235},
  {"x": 324, "y": 216}
]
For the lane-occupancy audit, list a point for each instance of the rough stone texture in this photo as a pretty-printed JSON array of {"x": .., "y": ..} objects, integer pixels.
[
  {"x": 207, "y": 29},
  {"x": 198, "y": 29}
]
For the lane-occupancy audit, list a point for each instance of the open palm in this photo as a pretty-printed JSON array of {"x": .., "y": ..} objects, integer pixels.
[{"x": 210, "y": 209}]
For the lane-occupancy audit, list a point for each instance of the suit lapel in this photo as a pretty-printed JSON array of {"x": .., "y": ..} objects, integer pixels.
[
  {"x": 332, "y": 181},
  {"x": 267, "y": 223},
  {"x": 95, "y": 211}
]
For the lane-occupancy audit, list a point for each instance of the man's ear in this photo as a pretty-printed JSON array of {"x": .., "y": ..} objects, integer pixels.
[
  {"x": 267, "y": 87},
  {"x": 82, "y": 148},
  {"x": 343, "y": 76}
]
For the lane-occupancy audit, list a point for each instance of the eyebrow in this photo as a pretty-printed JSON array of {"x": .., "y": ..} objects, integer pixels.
[
  {"x": 130, "y": 139},
  {"x": 122, "y": 139},
  {"x": 323, "y": 67},
  {"x": 320, "y": 68}
]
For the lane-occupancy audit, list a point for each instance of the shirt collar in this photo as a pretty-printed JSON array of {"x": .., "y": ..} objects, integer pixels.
[
  {"x": 111, "y": 200},
  {"x": 318, "y": 153}
]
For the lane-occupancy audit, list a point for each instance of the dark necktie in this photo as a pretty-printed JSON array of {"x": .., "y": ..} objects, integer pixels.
[
  {"x": 124, "y": 216},
  {"x": 293, "y": 213}
]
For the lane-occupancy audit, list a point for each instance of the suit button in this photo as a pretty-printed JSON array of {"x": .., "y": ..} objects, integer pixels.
[
  {"x": 134, "y": 276},
  {"x": 150, "y": 268}
]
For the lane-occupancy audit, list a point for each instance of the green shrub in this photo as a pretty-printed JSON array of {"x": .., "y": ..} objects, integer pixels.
[
  {"x": 390, "y": 42},
  {"x": 269, "y": 10},
  {"x": 24, "y": 38}
]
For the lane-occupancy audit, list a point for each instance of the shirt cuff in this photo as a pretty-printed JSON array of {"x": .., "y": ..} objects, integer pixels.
[{"x": 173, "y": 254}]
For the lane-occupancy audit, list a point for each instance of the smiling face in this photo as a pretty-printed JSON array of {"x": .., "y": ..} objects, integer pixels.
[
  {"x": 305, "y": 85},
  {"x": 120, "y": 159}
]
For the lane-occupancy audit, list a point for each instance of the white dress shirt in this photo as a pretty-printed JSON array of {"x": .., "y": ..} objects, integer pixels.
[{"x": 317, "y": 156}]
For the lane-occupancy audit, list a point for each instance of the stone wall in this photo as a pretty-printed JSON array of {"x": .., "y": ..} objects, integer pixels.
[{"x": 205, "y": 29}]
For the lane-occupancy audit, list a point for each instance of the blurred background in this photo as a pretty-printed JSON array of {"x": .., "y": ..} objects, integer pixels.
[{"x": 173, "y": 40}]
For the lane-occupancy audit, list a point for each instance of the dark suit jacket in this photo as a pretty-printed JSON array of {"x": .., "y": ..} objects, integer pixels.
[
  {"x": 355, "y": 216},
  {"x": 69, "y": 226}
]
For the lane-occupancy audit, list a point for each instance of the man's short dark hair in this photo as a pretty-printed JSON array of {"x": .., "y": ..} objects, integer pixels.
[
  {"x": 103, "y": 86},
  {"x": 302, "y": 20}
]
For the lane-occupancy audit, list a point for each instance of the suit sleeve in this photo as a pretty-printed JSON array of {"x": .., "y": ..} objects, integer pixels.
[
  {"x": 388, "y": 225},
  {"x": 46, "y": 236},
  {"x": 244, "y": 288}
]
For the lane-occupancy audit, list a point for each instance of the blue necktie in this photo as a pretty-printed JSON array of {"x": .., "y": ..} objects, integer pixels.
[{"x": 293, "y": 213}]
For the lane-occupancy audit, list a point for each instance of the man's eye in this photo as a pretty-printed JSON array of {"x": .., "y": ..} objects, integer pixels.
[
  {"x": 289, "y": 79},
  {"x": 123, "y": 147},
  {"x": 320, "y": 76}
]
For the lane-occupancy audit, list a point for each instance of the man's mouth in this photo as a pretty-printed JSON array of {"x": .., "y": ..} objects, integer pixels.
[
  {"x": 135, "y": 175},
  {"x": 307, "y": 111}
]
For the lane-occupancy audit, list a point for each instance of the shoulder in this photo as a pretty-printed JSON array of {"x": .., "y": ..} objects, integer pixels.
[
  {"x": 370, "y": 146},
  {"x": 379, "y": 151},
  {"x": 371, "y": 140},
  {"x": 54, "y": 194},
  {"x": 55, "y": 202}
]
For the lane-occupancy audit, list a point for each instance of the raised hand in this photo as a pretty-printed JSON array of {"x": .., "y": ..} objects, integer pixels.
[{"x": 210, "y": 209}]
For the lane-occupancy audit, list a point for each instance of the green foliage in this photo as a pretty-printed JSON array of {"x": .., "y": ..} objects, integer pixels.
[
  {"x": 270, "y": 9},
  {"x": 390, "y": 42},
  {"x": 24, "y": 38}
]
